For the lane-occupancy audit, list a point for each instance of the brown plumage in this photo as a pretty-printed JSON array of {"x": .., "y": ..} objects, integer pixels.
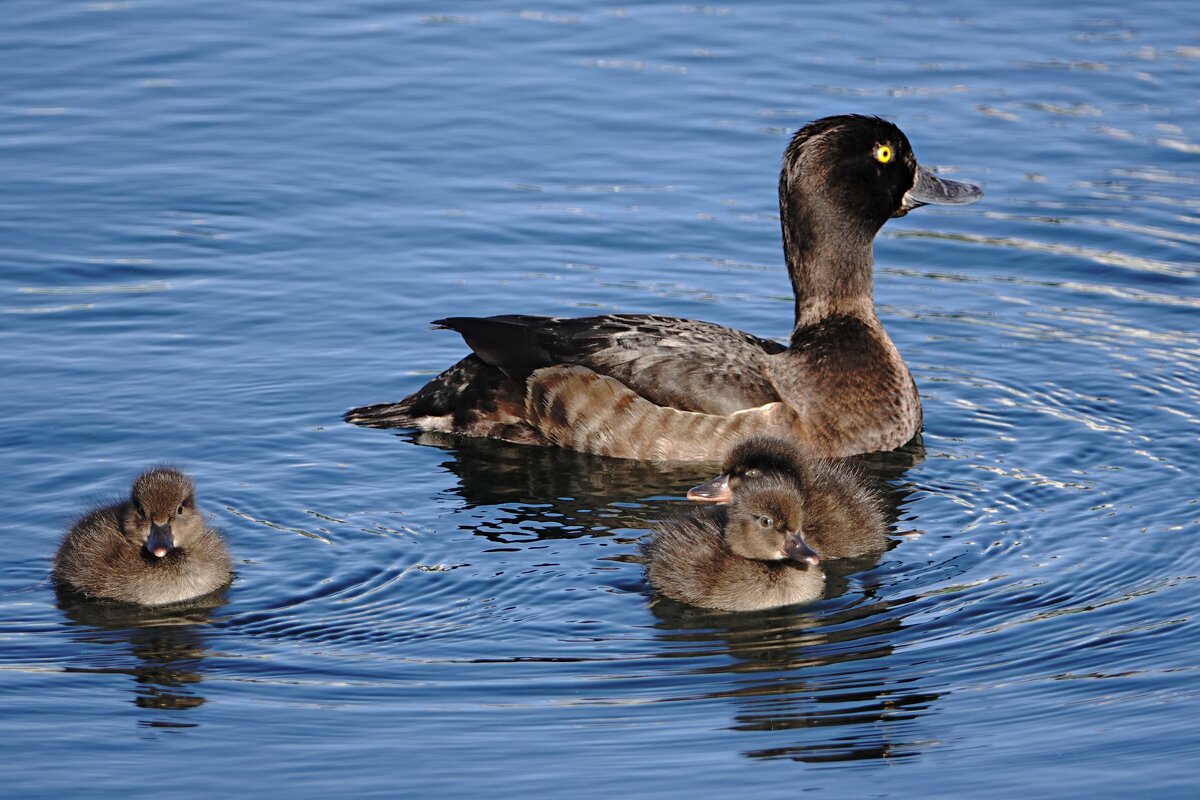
[
  {"x": 660, "y": 388},
  {"x": 846, "y": 517},
  {"x": 749, "y": 555},
  {"x": 152, "y": 549},
  {"x": 716, "y": 558}
]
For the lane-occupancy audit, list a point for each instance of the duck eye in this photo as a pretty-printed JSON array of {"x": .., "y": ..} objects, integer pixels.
[
  {"x": 766, "y": 521},
  {"x": 883, "y": 154},
  {"x": 182, "y": 506},
  {"x": 137, "y": 506},
  {"x": 753, "y": 473}
]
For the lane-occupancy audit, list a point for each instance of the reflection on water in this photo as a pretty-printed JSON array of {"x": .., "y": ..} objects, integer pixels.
[
  {"x": 575, "y": 494},
  {"x": 825, "y": 678},
  {"x": 491, "y": 472},
  {"x": 167, "y": 643}
]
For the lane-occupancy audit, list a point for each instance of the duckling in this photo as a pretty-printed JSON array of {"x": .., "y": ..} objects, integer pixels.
[
  {"x": 153, "y": 549},
  {"x": 651, "y": 387},
  {"x": 750, "y": 555},
  {"x": 846, "y": 518},
  {"x": 749, "y": 460}
]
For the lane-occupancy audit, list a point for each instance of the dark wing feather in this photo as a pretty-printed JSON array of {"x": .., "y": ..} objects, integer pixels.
[
  {"x": 678, "y": 363},
  {"x": 511, "y": 343}
]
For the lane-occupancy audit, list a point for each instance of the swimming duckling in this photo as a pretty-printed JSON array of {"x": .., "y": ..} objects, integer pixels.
[
  {"x": 749, "y": 460},
  {"x": 152, "y": 549},
  {"x": 749, "y": 555},
  {"x": 654, "y": 388},
  {"x": 845, "y": 517}
]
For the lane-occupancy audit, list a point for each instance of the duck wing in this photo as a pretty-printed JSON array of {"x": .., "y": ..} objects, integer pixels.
[{"x": 675, "y": 363}]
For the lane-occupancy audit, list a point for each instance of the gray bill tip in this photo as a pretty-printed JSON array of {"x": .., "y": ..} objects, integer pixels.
[{"x": 929, "y": 189}]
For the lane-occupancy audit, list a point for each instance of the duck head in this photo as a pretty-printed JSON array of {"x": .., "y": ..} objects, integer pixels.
[
  {"x": 161, "y": 515},
  {"x": 766, "y": 523},
  {"x": 749, "y": 461},
  {"x": 843, "y": 177},
  {"x": 866, "y": 169}
]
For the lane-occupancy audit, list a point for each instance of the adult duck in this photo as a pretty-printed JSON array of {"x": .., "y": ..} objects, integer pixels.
[
  {"x": 151, "y": 549},
  {"x": 660, "y": 388}
]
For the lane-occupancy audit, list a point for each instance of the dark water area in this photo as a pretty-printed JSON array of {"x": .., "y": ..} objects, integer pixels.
[{"x": 224, "y": 224}]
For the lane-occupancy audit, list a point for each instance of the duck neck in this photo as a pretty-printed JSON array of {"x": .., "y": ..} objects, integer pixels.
[{"x": 829, "y": 259}]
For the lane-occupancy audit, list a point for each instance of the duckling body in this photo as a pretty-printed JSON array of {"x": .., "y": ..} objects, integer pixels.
[
  {"x": 151, "y": 549},
  {"x": 659, "y": 388},
  {"x": 843, "y": 517},
  {"x": 729, "y": 558},
  {"x": 747, "y": 556}
]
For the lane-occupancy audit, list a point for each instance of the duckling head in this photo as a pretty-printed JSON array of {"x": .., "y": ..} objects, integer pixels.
[
  {"x": 749, "y": 461},
  {"x": 766, "y": 523},
  {"x": 161, "y": 516}
]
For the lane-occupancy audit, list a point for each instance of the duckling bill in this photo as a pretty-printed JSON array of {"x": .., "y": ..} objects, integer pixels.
[
  {"x": 153, "y": 548},
  {"x": 651, "y": 387}
]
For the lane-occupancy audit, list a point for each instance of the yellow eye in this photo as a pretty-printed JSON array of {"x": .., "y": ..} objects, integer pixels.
[{"x": 883, "y": 154}]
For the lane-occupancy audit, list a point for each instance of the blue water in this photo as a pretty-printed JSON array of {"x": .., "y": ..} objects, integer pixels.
[{"x": 222, "y": 224}]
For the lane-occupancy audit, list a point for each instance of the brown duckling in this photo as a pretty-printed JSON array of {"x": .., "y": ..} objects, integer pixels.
[
  {"x": 845, "y": 517},
  {"x": 750, "y": 555},
  {"x": 653, "y": 388},
  {"x": 153, "y": 549},
  {"x": 749, "y": 460}
]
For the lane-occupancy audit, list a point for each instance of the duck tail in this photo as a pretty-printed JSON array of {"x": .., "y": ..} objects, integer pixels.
[
  {"x": 465, "y": 385},
  {"x": 383, "y": 415},
  {"x": 470, "y": 398}
]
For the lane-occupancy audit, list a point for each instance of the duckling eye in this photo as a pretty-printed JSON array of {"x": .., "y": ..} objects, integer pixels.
[
  {"x": 137, "y": 506},
  {"x": 753, "y": 473},
  {"x": 883, "y": 154},
  {"x": 181, "y": 508},
  {"x": 766, "y": 521}
]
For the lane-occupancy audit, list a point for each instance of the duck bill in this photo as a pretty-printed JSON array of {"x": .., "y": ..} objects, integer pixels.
[
  {"x": 798, "y": 550},
  {"x": 929, "y": 189},
  {"x": 161, "y": 540},
  {"x": 715, "y": 491}
]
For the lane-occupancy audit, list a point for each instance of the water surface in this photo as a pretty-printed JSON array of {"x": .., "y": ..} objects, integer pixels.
[{"x": 223, "y": 224}]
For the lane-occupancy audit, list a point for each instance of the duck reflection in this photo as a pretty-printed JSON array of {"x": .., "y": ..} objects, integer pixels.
[
  {"x": 825, "y": 679},
  {"x": 589, "y": 494},
  {"x": 167, "y": 643},
  {"x": 492, "y": 472}
]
